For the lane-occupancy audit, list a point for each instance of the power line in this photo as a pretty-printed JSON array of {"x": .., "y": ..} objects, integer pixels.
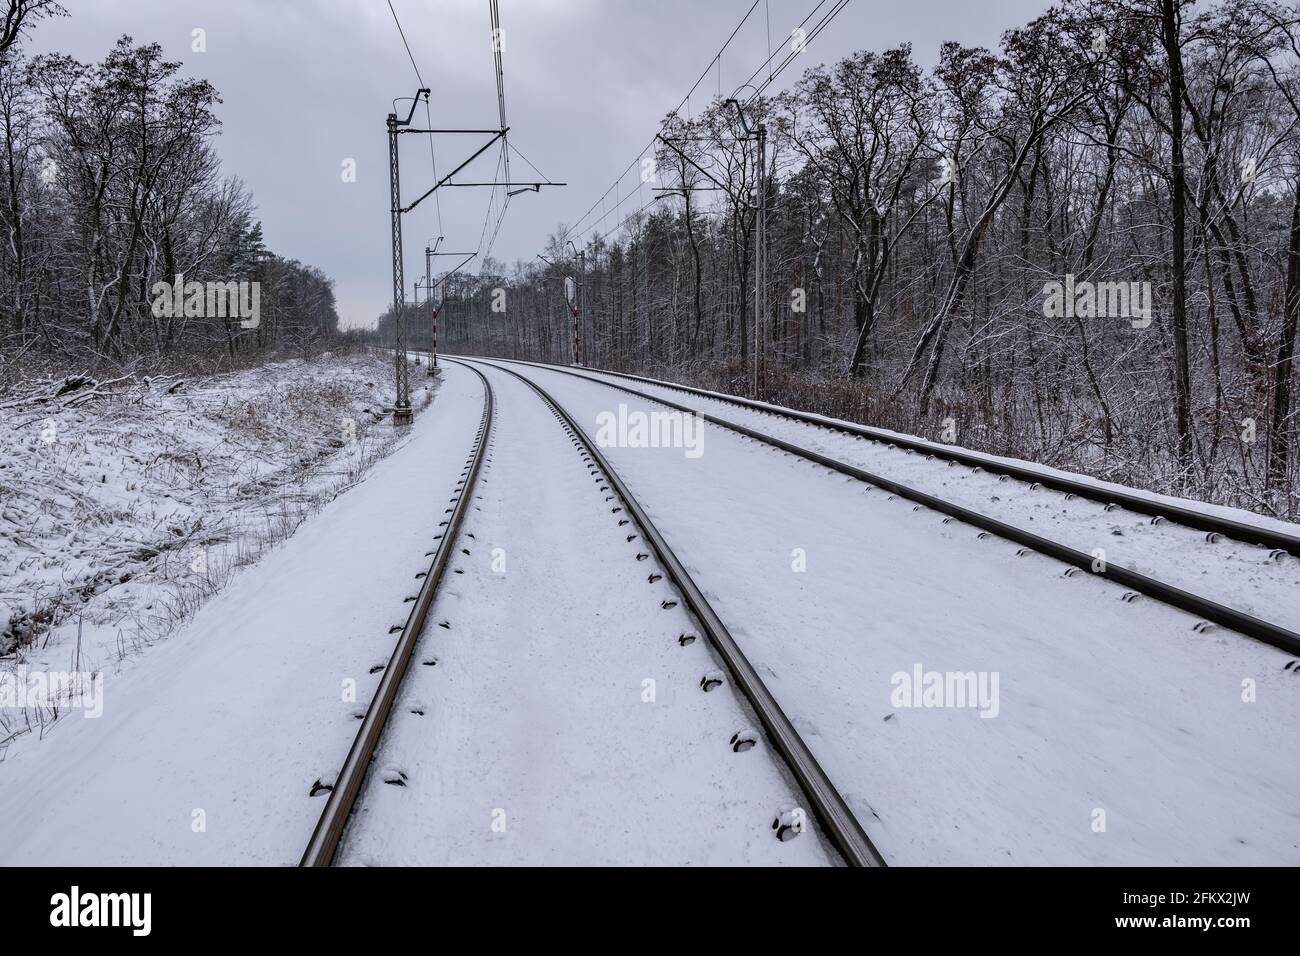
[
  {"x": 503, "y": 162},
  {"x": 402, "y": 33},
  {"x": 530, "y": 165},
  {"x": 484, "y": 252},
  {"x": 716, "y": 58},
  {"x": 625, "y": 220},
  {"x": 767, "y": 9},
  {"x": 812, "y": 33},
  {"x": 503, "y": 159},
  {"x": 495, "y": 13},
  {"x": 794, "y": 52},
  {"x": 437, "y": 200}
]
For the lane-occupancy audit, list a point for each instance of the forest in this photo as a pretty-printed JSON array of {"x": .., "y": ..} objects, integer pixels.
[
  {"x": 110, "y": 189},
  {"x": 1081, "y": 248}
]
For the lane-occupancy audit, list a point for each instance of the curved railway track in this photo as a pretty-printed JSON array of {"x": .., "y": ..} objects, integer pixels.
[
  {"x": 1208, "y": 610},
  {"x": 348, "y": 784},
  {"x": 836, "y": 818},
  {"x": 1211, "y": 524}
]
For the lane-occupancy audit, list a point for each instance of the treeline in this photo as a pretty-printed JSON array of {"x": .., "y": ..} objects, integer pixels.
[
  {"x": 925, "y": 227},
  {"x": 110, "y": 188}
]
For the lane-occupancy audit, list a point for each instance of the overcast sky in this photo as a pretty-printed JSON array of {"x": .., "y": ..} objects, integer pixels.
[{"x": 307, "y": 84}]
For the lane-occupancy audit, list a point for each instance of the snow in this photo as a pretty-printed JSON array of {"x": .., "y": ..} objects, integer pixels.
[
  {"x": 120, "y": 515},
  {"x": 562, "y": 723},
  {"x": 560, "y": 718},
  {"x": 672, "y": 390},
  {"x": 211, "y": 740},
  {"x": 1105, "y": 707},
  {"x": 1229, "y": 572}
]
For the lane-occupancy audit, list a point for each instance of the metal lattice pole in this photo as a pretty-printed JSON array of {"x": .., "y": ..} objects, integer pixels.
[
  {"x": 582, "y": 274},
  {"x": 760, "y": 264},
  {"x": 402, "y": 403},
  {"x": 433, "y": 307},
  {"x": 575, "y": 306}
]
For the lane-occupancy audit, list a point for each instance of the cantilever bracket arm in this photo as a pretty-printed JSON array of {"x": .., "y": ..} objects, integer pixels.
[
  {"x": 479, "y": 152},
  {"x": 448, "y": 275},
  {"x": 528, "y": 187},
  {"x": 673, "y": 146},
  {"x": 449, "y": 132}
]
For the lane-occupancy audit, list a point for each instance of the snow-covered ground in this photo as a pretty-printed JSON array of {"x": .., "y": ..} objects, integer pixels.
[
  {"x": 210, "y": 741},
  {"x": 120, "y": 512},
  {"x": 556, "y": 719},
  {"x": 1121, "y": 735},
  {"x": 1234, "y": 574}
]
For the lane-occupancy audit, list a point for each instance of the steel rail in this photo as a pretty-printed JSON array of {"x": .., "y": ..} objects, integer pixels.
[
  {"x": 348, "y": 785},
  {"x": 1238, "y": 530},
  {"x": 836, "y": 818},
  {"x": 1221, "y": 614}
]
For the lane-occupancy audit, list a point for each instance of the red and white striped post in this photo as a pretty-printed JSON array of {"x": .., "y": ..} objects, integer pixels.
[
  {"x": 435, "y": 305},
  {"x": 575, "y": 302}
]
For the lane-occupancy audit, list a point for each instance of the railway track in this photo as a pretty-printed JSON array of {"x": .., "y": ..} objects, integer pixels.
[
  {"x": 351, "y": 778},
  {"x": 837, "y": 820},
  {"x": 1204, "y": 608},
  {"x": 1211, "y": 524}
]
